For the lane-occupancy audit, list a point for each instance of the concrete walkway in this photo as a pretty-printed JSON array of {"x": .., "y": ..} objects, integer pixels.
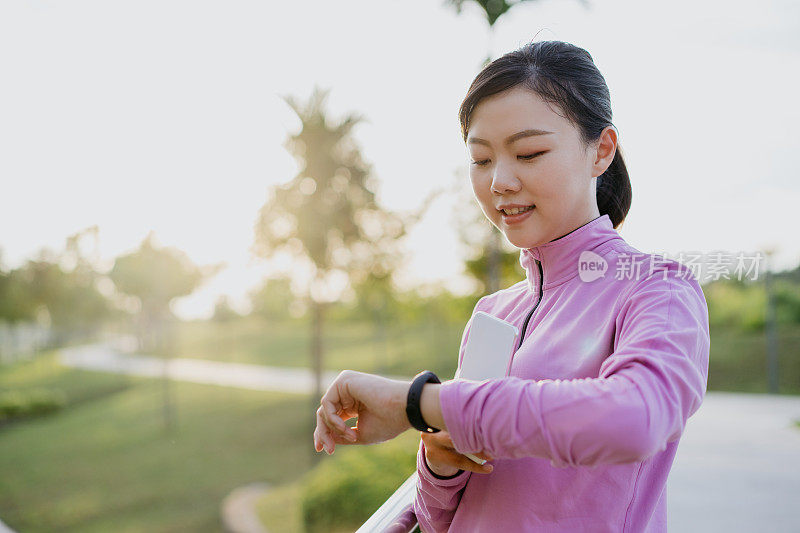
[{"x": 737, "y": 468}]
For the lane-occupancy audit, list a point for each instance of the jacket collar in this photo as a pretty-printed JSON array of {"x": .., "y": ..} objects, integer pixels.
[{"x": 559, "y": 257}]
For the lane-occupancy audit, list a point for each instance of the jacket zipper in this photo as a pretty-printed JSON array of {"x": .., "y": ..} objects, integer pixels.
[{"x": 525, "y": 325}]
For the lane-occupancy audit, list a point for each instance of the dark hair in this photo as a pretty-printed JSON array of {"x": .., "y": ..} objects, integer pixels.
[{"x": 563, "y": 74}]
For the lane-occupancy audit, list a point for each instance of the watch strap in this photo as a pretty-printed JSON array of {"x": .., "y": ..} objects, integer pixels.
[{"x": 413, "y": 411}]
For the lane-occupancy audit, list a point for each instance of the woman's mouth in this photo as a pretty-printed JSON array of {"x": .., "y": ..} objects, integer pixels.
[{"x": 519, "y": 214}]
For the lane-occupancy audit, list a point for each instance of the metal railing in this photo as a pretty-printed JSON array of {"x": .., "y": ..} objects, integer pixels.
[{"x": 395, "y": 515}]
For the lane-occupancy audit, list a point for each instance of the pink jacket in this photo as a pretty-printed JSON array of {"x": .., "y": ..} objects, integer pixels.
[{"x": 585, "y": 428}]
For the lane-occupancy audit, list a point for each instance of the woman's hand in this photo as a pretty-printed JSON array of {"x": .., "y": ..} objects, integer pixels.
[
  {"x": 444, "y": 460},
  {"x": 378, "y": 403}
]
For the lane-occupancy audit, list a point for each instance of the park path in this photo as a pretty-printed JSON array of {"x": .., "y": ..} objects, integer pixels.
[
  {"x": 113, "y": 357},
  {"x": 737, "y": 468}
]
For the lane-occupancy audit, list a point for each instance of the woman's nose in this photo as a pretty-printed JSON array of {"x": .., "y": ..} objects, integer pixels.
[{"x": 503, "y": 180}]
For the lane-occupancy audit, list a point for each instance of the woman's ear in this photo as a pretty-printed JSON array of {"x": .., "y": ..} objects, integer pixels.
[{"x": 606, "y": 148}]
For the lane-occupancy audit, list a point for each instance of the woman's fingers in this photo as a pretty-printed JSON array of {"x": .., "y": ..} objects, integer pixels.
[
  {"x": 465, "y": 463},
  {"x": 330, "y": 404},
  {"x": 439, "y": 448},
  {"x": 468, "y": 464},
  {"x": 322, "y": 436},
  {"x": 444, "y": 440},
  {"x": 335, "y": 423},
  {"x": 337, "y": 406},
  {"x": 483, "y": 456},
  {"x": 323, "y": 419},
  {"x": 377, "y": 402},
  {"x": 450, "y": 458},
  {"x": 331, "y": 428}
]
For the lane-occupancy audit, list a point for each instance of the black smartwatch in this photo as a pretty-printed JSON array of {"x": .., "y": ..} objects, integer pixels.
[{"x": 413, "y": 410}]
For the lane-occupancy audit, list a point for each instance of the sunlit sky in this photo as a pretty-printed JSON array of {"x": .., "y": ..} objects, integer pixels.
[{"x": 167, "y": 116}]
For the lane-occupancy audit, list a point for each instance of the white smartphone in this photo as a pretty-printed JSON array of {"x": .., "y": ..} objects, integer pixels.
[{"x": 488, "y": 353}]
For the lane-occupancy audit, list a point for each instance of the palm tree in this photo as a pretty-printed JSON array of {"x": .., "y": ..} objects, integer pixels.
[{"x": 327, "y": 216}]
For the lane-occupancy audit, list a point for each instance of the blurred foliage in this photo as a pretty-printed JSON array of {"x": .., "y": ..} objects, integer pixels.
[
  {"x": 279, "y": 509},
  {"x": 71, "y": 298},
  {"x": 735, "y": 304},
  {"x": 738, "y": 359},
  {"x": 346, "y": 488},
  {"x": 223, "y": 312},
  {"x": 156, "y": 275},
  {"x": 60, "y": 290},
  {"x": 328, "y": 212},
  {"x": 741, "y": 304},
  {"x": 29, "y": 403},
  {"x": 787, "y": 301},
  {"x": 16, "y": 296},
  {"x": 493, "y": 9},
  {"x": 273, "y": 298}
]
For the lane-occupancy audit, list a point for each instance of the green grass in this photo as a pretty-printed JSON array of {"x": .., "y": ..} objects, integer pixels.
[
  {"x": 404, "y": 350},
  {"x": 43, "y": 371},
  {"x": 279, "y": 509},
  {"x": 109, "y": 465}
]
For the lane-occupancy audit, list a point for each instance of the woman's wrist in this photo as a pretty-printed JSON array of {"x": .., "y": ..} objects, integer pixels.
[
  {"x": 439, "y": 475},
  {"x": 446, "y": 473},
  {"x": 430, "y": 407}
]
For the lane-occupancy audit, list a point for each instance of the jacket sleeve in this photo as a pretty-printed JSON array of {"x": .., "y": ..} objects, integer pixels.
[
  {"x": 437, "y": 498},
  {"x": 652, "y": 382}
]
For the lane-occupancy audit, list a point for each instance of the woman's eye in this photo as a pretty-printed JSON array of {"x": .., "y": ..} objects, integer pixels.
[
  {"x": 484, "y": 162},
  {"x": 531, "y": 156}
]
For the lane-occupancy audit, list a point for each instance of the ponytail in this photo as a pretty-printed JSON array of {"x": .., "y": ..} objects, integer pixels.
[{"x": 614, "y": 190}]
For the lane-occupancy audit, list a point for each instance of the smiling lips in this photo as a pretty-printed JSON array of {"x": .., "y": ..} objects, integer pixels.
[
  {"x": 517, "y": 210},
  {"x": 520, "y": 214}
]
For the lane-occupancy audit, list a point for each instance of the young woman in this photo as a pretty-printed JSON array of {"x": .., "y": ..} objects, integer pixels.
[{"x": 613, "y": 352}]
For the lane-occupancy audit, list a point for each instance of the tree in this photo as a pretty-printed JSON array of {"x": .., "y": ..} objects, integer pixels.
[
  {"x": 155, "y": 276},
  {"x": 327, "y": 216},
  {"x": 223, "y": 312},
  {"x": 62, "y": 287},
  {"x": 493, "y": 9},
  {"x": 73, "y": 303},
  {"x": 272, "y": 299},
  {"x": 16, "y": 303}
]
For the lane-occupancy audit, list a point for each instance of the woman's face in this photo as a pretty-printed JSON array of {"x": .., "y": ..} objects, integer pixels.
[{"x": 552, "y": 171}]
